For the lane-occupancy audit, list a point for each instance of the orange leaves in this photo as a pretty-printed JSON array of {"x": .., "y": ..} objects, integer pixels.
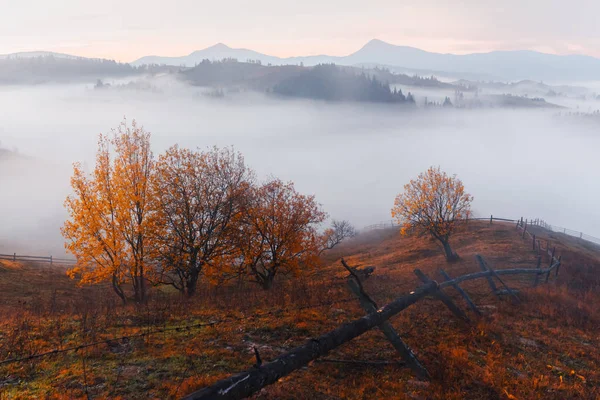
[
  {"x": 432, "y": 203},
  {"x": 189, "y": 214},
  {"x": 110, "y": 214},
  {"x": 279, "y": 231}
]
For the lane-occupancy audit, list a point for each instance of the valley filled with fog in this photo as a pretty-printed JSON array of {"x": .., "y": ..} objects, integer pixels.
[{"x": 354, "y": 157}]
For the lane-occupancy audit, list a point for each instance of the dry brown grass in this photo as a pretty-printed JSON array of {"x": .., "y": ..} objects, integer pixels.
[{"x": 545, "y": 347}]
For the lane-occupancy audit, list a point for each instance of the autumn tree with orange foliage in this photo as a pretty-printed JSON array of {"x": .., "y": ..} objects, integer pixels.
[
  {"x": 279, "y": 232},
  {"x": 189, "y": 214},
  {"x": 199, "y": 203},
  {"x": 434, "y": 203},
  {"x": 111, "y": 215}
]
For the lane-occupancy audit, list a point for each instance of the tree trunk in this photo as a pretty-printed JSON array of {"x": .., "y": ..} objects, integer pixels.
[
  {"x": 118, "y": 290},
  {"x": 192, "y": 282},
  {"x": 450, "y": 255},
  {"x": 143, "y": 293},
  {"x": 137, "y": 290},
  {"x": 267, "y": 280}
]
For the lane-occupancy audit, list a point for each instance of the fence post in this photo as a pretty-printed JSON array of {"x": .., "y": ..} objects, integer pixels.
[
  {"x": 508, "y": 290},
  {"x": 517, "y": 228},
  {"x": 462, "y": 292},
  {"x": 558, "y": 266},
  {"x": 537, "y": 276},
  {"x": 581, "y": 235},
  {"x": 552, "y": 256},
  {"x": 524, "y": 229},
  {"x": 402, "y": 348},
  {"x": 443, "y": 297},
  {"x": 491, "y": 219},
  {"x": 15, "y": 257},
  {"x": 489, "y": 278},
  {"x": 50, "y": 260}
]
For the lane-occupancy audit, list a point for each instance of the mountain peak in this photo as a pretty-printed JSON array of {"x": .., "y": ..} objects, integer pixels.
[
  {"x": 376, "y": 43},
  {"x": 220, "y": 46}
]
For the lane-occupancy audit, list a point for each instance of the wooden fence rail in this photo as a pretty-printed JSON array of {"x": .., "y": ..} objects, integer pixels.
[
  {"x": 251, "y": 381},
  {"x": 566, "y": 231},
  {"x": 42, "y": 259},
  {"x": 536, "y": 222},
  {"x": 536, "y": 242}
]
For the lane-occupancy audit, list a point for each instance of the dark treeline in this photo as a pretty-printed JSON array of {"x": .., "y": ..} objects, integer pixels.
[
  {"x": 329, "y": 82},
  {"x": 232, "y": 73},
  {"x": 50, "y": 68}
]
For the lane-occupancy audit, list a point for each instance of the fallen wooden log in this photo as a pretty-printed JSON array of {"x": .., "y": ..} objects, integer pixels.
[{"x": 246, "y": 383}]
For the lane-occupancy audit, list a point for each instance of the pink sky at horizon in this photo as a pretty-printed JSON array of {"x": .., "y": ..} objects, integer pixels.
[
  {"x": 126, "y": 30},
  {"x": 295, "y": 48}
]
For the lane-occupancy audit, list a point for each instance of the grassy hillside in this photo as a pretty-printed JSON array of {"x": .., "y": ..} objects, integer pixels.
[{"x": 545, "y": 347}]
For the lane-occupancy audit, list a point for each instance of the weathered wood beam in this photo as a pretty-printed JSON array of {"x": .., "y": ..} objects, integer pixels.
[
  {"x": 402, "y": 348},
  {"x": 443, "y": 297},
  {"x": 508, "y": 290},
  {"x": 538, "y": 266},
  {"x": 558, "y": 266},
  {"x": 513, "y": 271},
  {"x": 462, "y": 293},
  {"x": 485, "y": 268}
]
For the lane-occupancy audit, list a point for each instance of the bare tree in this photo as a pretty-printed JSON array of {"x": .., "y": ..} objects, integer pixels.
[{"x": 339, "y": 231}]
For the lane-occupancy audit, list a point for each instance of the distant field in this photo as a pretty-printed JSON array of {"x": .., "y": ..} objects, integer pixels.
[{"x": 546, "y": 347}]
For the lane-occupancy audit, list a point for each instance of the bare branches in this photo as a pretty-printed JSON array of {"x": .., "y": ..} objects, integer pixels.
[
  {"x": 337, "y": 233},
  {"x": 199, "y": 201}
]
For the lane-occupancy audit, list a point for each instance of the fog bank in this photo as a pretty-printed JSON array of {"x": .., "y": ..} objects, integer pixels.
[{"x": 354, "y": 157}]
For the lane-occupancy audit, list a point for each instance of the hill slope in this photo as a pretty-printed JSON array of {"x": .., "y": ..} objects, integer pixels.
[{"x": 544, "y": 347}]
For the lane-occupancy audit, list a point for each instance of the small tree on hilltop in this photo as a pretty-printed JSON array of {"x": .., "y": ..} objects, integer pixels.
[{"x": 433, "y": 203}]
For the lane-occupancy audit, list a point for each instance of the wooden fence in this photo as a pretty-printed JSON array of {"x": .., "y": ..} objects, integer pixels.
[
  {"x": 394, "y": 224},
  {"x": 251, "y": 381},
  {"x": 535, "y": 222},
  {"x": 565, "y": 231},
  {"x": 381, "y": 225},
  {"x": 41, "y": 259}
]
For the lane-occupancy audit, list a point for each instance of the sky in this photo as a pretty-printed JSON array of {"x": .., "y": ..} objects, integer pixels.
[{"x": 129, "y": 29}]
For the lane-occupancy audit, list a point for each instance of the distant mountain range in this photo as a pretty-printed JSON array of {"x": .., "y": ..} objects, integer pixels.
[
  {"x": 493, "y": 66},
  {"x": 34, "y": 54},
  {"x": 497, "y": 65}
]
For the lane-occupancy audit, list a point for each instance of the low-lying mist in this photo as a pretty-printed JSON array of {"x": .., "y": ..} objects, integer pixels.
[{"x": 354, "y": 157}]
